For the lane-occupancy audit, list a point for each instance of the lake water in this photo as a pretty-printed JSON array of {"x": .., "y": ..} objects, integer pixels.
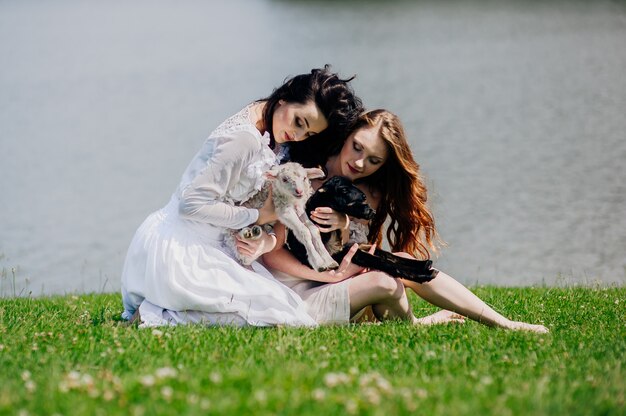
[{"x": 515, "y": 111}]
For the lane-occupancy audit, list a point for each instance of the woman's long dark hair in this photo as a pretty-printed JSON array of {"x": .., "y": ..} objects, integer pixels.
[{"x": 334, "y": 97}]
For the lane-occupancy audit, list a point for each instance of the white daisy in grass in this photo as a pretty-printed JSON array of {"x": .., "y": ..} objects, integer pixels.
[{"x": 165, "y": 372}]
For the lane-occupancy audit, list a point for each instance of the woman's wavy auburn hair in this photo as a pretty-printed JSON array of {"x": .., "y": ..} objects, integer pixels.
[{"x": 403, "y": 193}]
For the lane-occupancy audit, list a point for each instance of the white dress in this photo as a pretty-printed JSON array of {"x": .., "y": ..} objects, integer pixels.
[
  {"x": 176, "y": 261},
  {"x": 327, "y": 303}
]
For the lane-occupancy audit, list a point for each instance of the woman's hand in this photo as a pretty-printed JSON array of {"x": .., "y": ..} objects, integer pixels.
[
  {"x": 253, "y": 249},
  {"x": 347, "y": 269},
  {"x": 267, "y": 213},
  {"x": 327, "y": 219}
]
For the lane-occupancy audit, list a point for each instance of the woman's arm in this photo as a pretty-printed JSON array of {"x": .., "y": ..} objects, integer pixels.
[
  {"x": 203, "y": 199},
  {"x": 282, "y": 260}
]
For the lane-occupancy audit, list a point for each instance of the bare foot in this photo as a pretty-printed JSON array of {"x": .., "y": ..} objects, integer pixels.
[
  {"x": 523, "y": 326},
  {"x": 441, "y": 317}
]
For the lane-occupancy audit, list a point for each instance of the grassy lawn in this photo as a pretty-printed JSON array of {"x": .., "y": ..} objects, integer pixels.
[{"x": 72, "y": 355}]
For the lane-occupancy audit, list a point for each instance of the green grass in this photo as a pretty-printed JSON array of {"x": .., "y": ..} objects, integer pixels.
[{"x": 72, "y": 355}]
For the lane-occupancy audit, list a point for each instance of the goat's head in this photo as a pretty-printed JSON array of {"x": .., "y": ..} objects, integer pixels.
[
  {"x": 342, "y": 195},
  {"x": 293, "y": 180}
]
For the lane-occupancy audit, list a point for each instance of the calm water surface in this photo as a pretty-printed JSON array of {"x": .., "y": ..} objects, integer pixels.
[{"x": 515, "y": 112}]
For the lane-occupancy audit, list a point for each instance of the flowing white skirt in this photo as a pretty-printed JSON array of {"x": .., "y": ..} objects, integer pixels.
[{"x": 179, "y": 265}]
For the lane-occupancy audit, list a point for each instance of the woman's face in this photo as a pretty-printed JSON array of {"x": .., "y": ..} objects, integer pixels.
[
  {"x": 363, "y": 153},
  {"x": 293, "y": 122}
]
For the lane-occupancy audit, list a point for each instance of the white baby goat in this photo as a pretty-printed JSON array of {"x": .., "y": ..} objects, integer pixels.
[{"x": 291, "y": 188}]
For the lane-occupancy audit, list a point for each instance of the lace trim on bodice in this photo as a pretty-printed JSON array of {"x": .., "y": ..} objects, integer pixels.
[
  {"x": 257, "y": 169},
  {"x": 234, "y": 122}
]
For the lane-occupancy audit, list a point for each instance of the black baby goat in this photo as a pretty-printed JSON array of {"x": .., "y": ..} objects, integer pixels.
[{"x": 340, "y": 194}]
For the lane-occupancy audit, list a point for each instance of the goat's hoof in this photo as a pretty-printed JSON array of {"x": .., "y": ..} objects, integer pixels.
[
  {"x": 330, "y": 266},
  {"x": 333, "y": 266}
]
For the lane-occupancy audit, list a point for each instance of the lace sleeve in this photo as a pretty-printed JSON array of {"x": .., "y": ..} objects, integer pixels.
[{"x": 206, "y": 198}]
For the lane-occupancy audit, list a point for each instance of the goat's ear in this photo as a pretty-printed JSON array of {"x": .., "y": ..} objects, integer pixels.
[
  {"x": 314, "y": 173},
  {"x": 272, "y": 173}
]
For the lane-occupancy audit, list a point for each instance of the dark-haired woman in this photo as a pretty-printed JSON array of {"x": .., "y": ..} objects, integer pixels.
[
  {"x": 176, "y": 262},
  {"x": 377, "y": 158}
]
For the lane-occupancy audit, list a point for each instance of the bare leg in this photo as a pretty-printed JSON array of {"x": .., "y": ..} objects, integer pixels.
[
  {"x": 442, "y": 317},
  {"x": 387, "y": 297},
  {"x": 376, "y": 288},
  {"x": 447, "y": 293}
]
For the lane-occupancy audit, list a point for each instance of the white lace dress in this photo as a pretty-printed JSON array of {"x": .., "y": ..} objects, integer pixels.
[
  {"x": 176, "y": 261},
  {"x": 327, "y": 303}
]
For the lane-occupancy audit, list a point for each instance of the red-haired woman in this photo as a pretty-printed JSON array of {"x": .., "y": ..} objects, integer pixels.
[{"x": 378, "y": 159}]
